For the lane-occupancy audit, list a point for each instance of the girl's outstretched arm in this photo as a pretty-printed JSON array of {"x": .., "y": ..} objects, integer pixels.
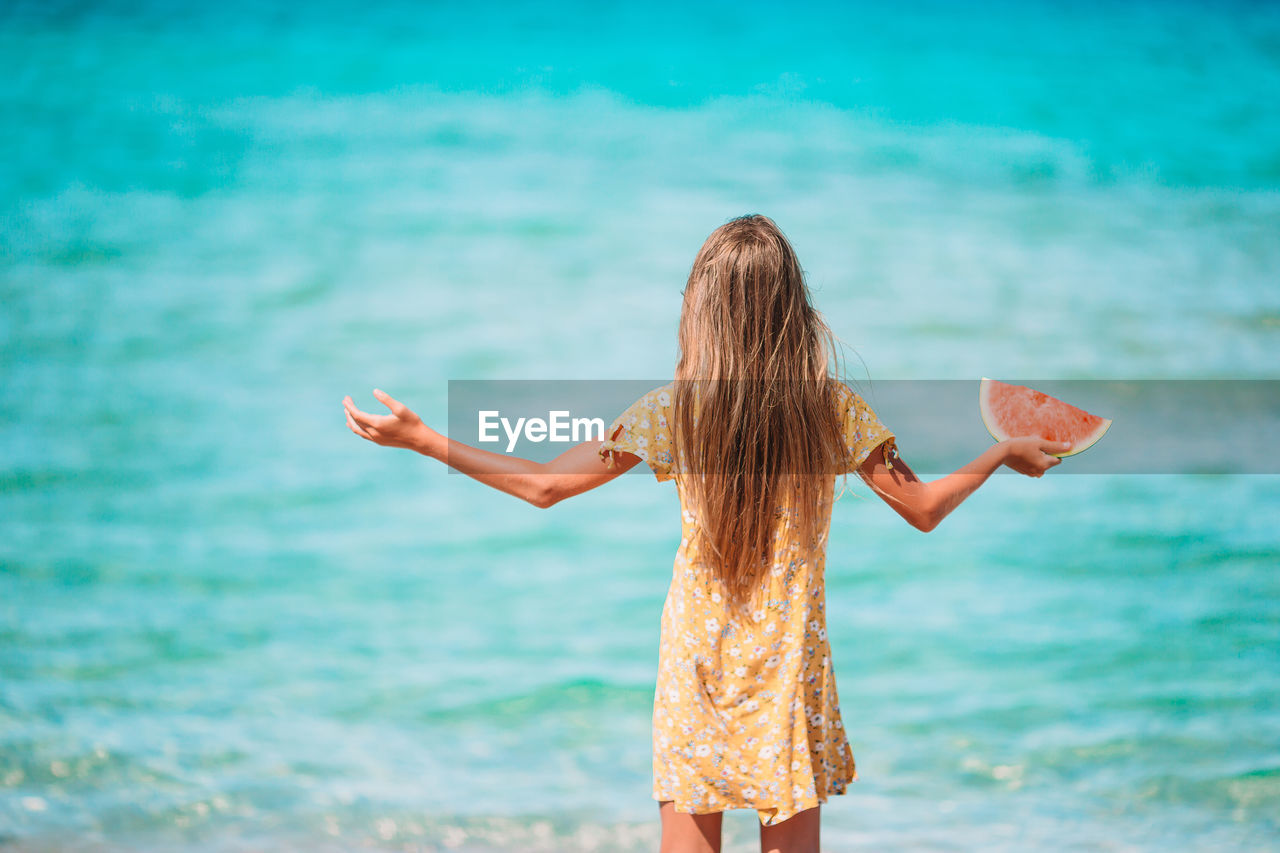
[
  {"x": 924, "y": 505},
  {"x": 542, "y": 484}
]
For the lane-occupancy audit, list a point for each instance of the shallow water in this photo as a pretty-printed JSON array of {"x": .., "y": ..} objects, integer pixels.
[{"x": 227, "y": 623}]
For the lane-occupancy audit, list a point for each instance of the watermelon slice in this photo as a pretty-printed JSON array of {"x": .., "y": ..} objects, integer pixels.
[{"x": 1015, "y": 410}]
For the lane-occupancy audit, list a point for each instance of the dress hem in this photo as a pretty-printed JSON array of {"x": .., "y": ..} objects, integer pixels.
[{"x": 801, "y": 805}]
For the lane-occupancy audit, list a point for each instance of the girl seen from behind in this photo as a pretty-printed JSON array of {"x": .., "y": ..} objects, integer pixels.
[{"x": 754, "y": 429}]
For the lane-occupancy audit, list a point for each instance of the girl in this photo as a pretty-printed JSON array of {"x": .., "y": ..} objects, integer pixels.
[{"x": 753, "y": 430}]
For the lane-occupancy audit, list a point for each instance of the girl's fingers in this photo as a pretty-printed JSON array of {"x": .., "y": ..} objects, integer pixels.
[
  {"x": 355, "y": 423},
  {"x": 390, "y": 402},
  {"x": 356, "y": 429},
  {"x": 364, "y": 418}
]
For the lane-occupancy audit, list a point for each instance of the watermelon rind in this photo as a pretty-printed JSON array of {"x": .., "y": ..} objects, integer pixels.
[{"x": 989, "y": 421}]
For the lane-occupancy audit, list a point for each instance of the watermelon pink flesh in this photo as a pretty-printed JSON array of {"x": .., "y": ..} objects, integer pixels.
[{"x": 1015, "y": 410}]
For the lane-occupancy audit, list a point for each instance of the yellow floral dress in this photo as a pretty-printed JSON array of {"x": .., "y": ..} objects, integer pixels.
[{"x": 745, "y": 713}]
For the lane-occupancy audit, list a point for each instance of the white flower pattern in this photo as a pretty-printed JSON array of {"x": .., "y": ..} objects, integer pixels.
[{"x": 746, "y": 713}]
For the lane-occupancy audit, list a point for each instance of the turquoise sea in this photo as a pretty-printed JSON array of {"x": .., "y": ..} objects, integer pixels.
[{"x": 227, "y": 623}]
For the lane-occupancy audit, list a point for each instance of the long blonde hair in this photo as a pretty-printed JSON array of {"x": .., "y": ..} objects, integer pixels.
[{"x": 755, "y": 370}]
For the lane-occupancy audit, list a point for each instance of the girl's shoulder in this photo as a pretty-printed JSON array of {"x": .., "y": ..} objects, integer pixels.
[
  {"x": 655, "y": 401},
  {"x": 844, "y": 390},
  {"x": 848, "y": 400},
  {"x": 661, "y": 396}
]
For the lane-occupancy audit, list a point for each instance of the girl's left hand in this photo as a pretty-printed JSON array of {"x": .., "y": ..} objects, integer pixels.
[
  {"x": 401, "y": 428},
  {"x": 1032, "y": 455}
]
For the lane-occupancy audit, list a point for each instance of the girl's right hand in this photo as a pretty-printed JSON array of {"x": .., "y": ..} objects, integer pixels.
[
  {"x": 401, "y": 428},
  {"x": 1030, "y": 454}
]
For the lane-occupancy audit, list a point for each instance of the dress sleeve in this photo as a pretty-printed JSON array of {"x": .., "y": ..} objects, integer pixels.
[
  {"x": 863, "y": 431},
  {"x": 643, "y": 429}
]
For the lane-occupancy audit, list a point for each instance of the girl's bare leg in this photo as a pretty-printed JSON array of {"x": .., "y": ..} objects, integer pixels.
[
  {"x": 689, "y": 833},
  {"x": 796, "y": 834}
]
